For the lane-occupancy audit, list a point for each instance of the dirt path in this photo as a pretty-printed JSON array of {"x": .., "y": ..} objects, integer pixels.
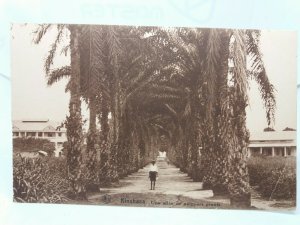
[
  {"x": 170, "y": 181},
  {"x": 173, "y": 189}
]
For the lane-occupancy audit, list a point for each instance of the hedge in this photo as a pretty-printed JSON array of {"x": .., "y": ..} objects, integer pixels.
[
  {"x": 33, "y": 145},
  {"x": 273, "y": 177}
]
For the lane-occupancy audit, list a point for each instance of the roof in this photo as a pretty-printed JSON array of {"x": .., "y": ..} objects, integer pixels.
[
  {"x": 274, "y": 136},
  {"x": 273, "y": 139},
  {"x": 271, "y": 144},
  {"x": 35, "y": 120},
  {"x": 36, "y": 125}
]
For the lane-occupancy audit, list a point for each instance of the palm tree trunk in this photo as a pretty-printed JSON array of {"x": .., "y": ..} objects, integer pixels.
[
  {"x": 104, "y": 144},
  {"x": 91, "y": 143},
  {"x": 74, "y": 120},
  {"x": 194, "y": 135},
  {"x": 239, "y": 188},
  {"x": 217, "y": 151},
  {"x": 104, "y": 119},
  {"x": 221, "y": 122},
  {"x": 115, "y": 132}
]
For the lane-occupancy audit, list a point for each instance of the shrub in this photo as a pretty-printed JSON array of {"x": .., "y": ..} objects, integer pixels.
[
  {"x": 40, "y": 180},
  {"x": 33, "y": 145},
  {"x": 273, "y": 177}
]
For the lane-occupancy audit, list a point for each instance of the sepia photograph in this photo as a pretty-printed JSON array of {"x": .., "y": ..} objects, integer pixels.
[{"x": 170, "y": 117}]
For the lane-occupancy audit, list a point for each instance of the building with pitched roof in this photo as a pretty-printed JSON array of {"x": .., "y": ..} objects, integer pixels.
[
  {"x": 273, "y": 143},
  {"x": 42, "y": 128}
]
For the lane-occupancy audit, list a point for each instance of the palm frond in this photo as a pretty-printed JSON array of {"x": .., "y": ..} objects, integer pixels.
[
  {"x": 139, "y": 83},
  {"x": 115, "y": 48},
  {"x": 163, "y": 96},
  {"x": 57, "y": 74},
  {"x": 173, "y": 111},
  {"x": 65, "y": 50},
  {"x": 210, "y": 67},
  {"x": 258, "y": 72},
  {"x": 54, "y": 46},
  {"x": 91, "y": 61},
  {"x": 68, "y": 87},
  {"x": 40, "y": 32},
  {"x": 187, "y": 110},
  {"x": 239, "y": 61}
]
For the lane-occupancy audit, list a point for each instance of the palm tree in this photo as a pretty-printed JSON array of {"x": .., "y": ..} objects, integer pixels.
[
  {"x": 90, "y": 90},
  {"x": 229, "y": 104},
  {"x": 74, "y": 120},
  {"x": 215, "y": 72},
  {"x": 92, "y": 74},
  {"x": 245, "y": 43}
]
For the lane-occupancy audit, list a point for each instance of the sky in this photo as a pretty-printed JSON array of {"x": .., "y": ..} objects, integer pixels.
[
  {"x": 279, "y": 49},
  {"x": 32, "y": 99}
]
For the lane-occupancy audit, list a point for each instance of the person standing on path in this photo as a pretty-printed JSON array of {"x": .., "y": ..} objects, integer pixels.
[{"x": 153, "y": 172}]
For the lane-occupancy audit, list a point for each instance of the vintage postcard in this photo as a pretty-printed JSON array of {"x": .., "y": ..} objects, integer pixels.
[{"x": 154, "y": 116}]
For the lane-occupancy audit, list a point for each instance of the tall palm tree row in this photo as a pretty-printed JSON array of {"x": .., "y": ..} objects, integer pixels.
[
  {"x": 188, "y": 86},
  {"x": 223, "y": 91}
]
